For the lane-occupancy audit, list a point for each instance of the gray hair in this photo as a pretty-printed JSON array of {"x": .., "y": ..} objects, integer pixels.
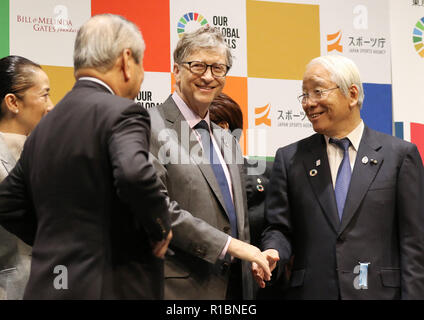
[
  {"x": 344, "y": 73},
  {"x": 203, "y": 38},
  {"x": 102, "y": 39}
]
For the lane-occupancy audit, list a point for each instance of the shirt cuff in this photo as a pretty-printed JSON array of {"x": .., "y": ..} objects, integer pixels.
[{"x": 224, "y": 251}]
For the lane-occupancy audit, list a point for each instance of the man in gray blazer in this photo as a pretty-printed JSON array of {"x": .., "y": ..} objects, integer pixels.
[
  {"x": 200, "y": 167},
  {"x": 347, "y": 202}
]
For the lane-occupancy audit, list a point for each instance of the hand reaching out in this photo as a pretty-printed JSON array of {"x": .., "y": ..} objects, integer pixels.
[
  {"x": 245, "y": 251},
  {"x": 259, "y": 274}
]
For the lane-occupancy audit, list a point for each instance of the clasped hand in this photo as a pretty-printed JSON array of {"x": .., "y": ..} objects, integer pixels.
[{"x": 261, "y": 275}]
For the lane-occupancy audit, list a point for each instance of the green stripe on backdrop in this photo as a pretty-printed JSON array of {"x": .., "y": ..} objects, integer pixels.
[
  {"x": 262, "y": 158},
  {"x": 4, "y": 28}
]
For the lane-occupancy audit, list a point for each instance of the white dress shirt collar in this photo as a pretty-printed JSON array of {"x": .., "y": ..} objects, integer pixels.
[
  {"x": 354, "y": 136},
  {"x": 191, "y": 117},
  {"x": 335, "y": 154}
]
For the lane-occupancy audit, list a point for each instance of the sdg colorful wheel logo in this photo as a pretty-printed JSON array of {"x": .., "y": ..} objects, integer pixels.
[
  {"x": 417, "y": 37},
  {"x": 190, "y": 22}
]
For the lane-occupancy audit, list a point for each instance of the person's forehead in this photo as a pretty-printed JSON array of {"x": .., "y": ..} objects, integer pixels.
[
  {"x": 39, "y": 78},
  {"x": 317, "y": 73},
  {"x": 207, "y": 52}
]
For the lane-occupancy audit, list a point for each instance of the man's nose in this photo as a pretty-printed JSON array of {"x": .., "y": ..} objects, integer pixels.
[
  {"x": 309, "y": 103},
  {"x": 50, "y": 105},
  {"x": 207, "y": 75}
]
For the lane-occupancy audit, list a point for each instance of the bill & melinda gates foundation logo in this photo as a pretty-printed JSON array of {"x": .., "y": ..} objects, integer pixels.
[
  {"x": 190, "y": 22},
  {"x": 417, "y": 37},
  {"x": 58, "y": 22}
]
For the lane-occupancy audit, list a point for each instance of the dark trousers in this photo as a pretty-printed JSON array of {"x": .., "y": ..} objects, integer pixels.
[{"x": 235, "y": 286}]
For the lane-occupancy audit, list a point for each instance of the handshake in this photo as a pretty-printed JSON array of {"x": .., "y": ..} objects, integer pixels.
[{"x": 265, "y": 264}]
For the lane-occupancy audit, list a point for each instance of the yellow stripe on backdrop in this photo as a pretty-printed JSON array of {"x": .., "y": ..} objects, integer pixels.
[
  {"x": 281, "y": 39},
  {"x": 61, "y": 81}
]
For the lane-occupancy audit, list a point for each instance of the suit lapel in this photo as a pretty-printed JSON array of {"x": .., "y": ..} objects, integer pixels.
[
  {"x": 319, "y": 175},
  {"x": 228, "y": 149},
  {"x": 190, "y": 145},
  {"x": 209, "y": 175},
  {"x": 363, "y": 175}
]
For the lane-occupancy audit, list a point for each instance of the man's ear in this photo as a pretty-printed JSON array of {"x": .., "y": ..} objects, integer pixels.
[
  {"x": 127, "y": 63},
  {"x": 11, "y": 102},
  {"x": 177, "y": 71},
  {"x": 353, "y": 95}
]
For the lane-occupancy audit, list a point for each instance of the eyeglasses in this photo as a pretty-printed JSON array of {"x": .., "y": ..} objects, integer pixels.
[
  {"x": 217, "y": 69},
  {"x": 315, "y": 95}
]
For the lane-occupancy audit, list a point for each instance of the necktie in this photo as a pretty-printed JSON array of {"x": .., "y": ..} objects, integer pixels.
[
  {"x": 209, "y": 151},
  {"x": 343, "y": 175}
]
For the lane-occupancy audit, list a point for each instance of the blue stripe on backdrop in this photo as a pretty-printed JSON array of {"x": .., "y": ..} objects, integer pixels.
[
  {"x": 399, "y": 130},
  {"x": 377, "y": 110}
]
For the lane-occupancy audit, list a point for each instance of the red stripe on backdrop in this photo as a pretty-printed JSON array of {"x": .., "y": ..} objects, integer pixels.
[
  {"x": 417, "y": 137},
  {"x": 152, "y": 17}
]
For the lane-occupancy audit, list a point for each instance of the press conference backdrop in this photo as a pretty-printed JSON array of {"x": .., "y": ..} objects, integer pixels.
[{"x": 271, "y": 41}]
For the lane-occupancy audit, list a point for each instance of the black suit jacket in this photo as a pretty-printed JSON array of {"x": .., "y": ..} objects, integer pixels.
[
  {"x": 85, "y": 196},
  {"x": 382, "y": 223},
  {"x": 256, "y": 189}
]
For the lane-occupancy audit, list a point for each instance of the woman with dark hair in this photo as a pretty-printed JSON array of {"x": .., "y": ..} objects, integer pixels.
[
  {"x": 226, "y": 113},
  {"x": 25, "y": 99}
]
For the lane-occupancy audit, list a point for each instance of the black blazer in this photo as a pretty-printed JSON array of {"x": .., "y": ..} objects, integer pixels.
[
  {"x": 382, "y": 223},
  {"x": 256, "y": 189},
  {"x": 85, "y": 196}
]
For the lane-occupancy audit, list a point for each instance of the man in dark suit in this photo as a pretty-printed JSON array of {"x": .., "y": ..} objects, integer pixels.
[
  {"x": 200, "y": 167},
  {"x": 347, "y": 202},
  {"x": 83, "y": 192}
]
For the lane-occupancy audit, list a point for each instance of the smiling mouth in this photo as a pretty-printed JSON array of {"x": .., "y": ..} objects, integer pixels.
[
  {"x": 315, "y": 115},
  {"x": 208, "y": 88}
]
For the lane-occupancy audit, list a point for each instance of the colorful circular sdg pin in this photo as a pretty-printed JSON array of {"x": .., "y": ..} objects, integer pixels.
[{"x": 417, "y": 37}]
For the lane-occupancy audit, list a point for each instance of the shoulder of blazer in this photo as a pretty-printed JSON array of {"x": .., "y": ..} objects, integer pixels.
[
  {"x": 87, "y": 84},
  {"x": 167, "y": 111},
  {"x": 376, "y": 140},
  {"x": 94, "y": 92},
  {"x": 310, "y": 143},
  {"x": 163, "y": 115}
]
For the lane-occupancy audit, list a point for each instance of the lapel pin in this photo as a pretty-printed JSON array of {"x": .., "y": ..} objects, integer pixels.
[
  {"x": 313, "y": 172},
  {"x": 318, "y": 162},
  {"x": 260, "y": 188},
  {"x": 365, "y": 160},
  {"x": 259, "y": 181},
  {"x": 373, "y": 161}
]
